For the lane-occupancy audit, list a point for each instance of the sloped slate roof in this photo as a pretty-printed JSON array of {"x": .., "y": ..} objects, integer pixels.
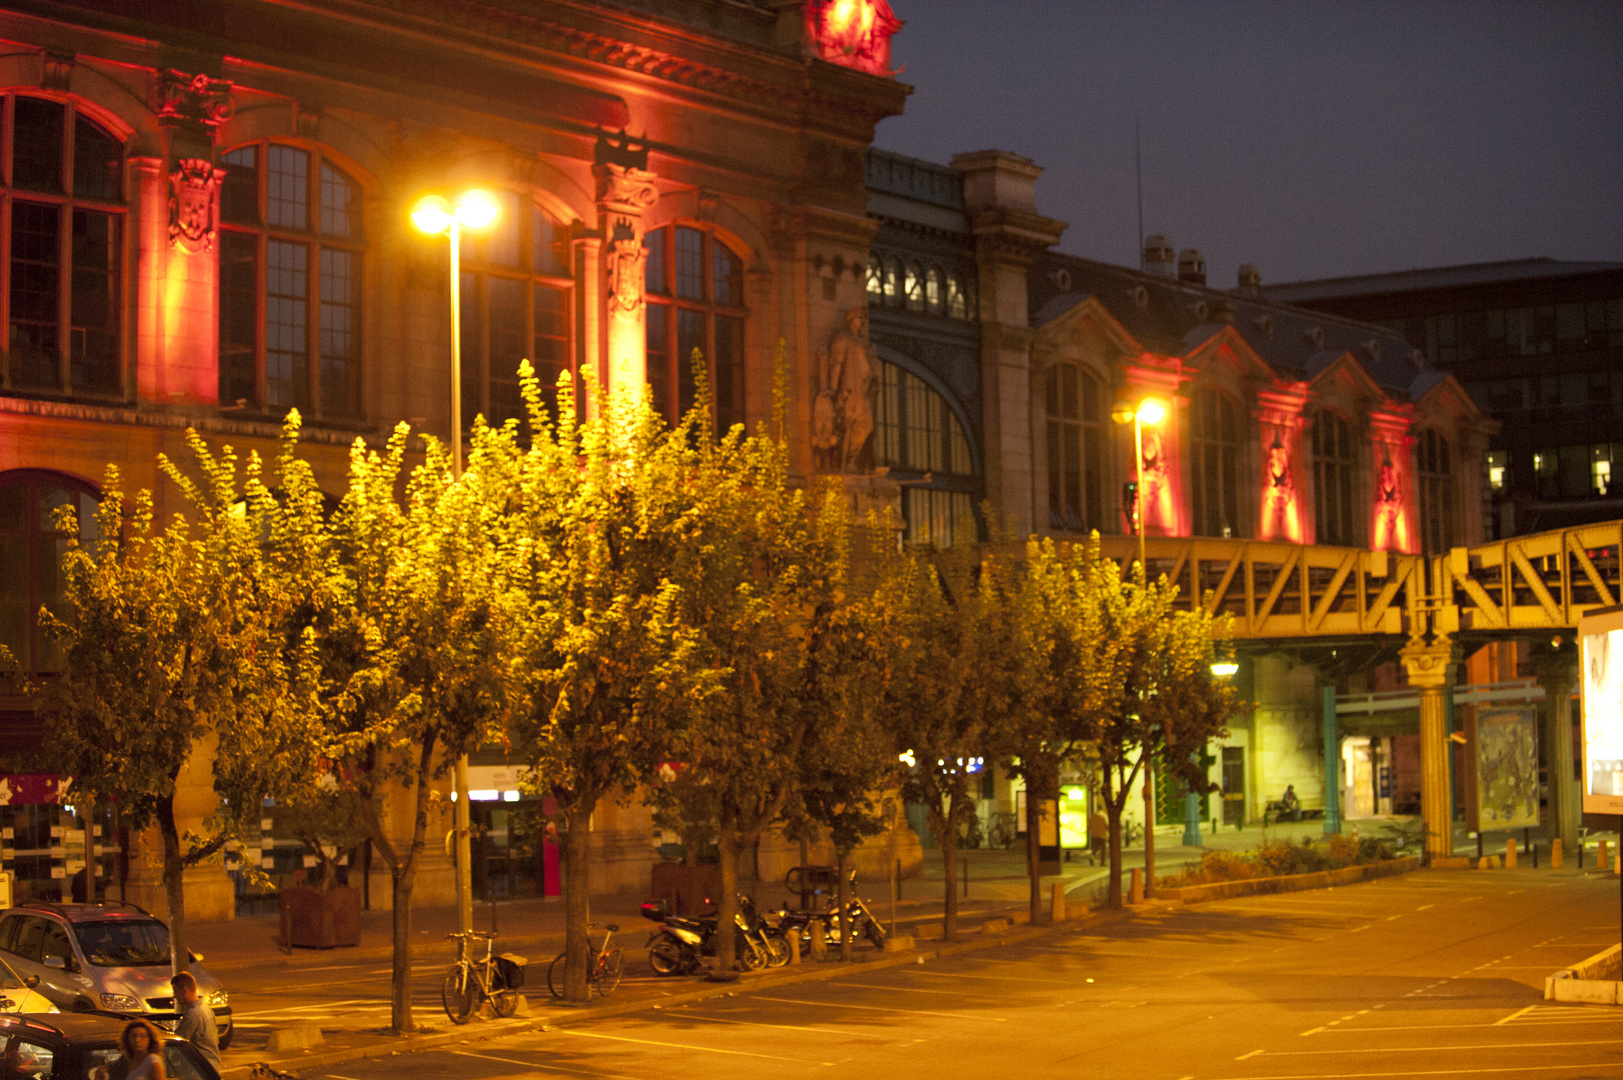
[
  {"x": 1442, "y": 277},
  {"x": 1172, "y": 317}
]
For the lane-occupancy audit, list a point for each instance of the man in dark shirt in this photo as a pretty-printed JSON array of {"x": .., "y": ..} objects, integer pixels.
[{"x": 196, "y": 1024}]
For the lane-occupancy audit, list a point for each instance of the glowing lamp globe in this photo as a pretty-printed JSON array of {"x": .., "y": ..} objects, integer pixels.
[
  {"x": 476, "y": 209},
  {"x": 432, "y": 214},
  {"x": 1151, "y": 412}
]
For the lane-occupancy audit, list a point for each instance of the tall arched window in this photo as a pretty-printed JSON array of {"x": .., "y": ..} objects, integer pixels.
[
  {"x": 1436, "y": 492},
  {"x": 515, "y": 306},
  {"x": 290, "y": 282},
  {"x": 919, "y": 433},
  {"x": 1333, "y": 480},
  {"x": 31, "y": 548},
  {"x": 1075, "y": 449},
  {"x": 893, "y": 282},
  {"x": 63, "y": 225},
  {"x": 1215, "y": 441},
  {"x": 935, "y": 292},
  {"x": 876, "y": 279},
  {"x": 913, "y": 285},
  {"x": 695, "y": 286},
  {"x": 957, "y": 297}
]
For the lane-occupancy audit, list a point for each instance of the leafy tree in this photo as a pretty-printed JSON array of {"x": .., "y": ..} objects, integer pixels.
[{"x": 596, "y": 516}]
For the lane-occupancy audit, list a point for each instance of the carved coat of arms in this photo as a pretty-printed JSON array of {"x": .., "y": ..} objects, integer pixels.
[{"x": 191, "y": 205}]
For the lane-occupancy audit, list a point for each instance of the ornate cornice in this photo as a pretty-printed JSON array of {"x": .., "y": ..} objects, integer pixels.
[{"x": 131, "y": 416}]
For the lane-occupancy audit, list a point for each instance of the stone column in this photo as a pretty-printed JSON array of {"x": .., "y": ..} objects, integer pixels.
[
  {"x": 1430, "y": 668},
  {"x": 625, "y": 189},
  {"x": 1558, "y": 674}
]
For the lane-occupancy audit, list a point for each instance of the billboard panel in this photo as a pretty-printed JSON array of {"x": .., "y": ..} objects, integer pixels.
[
  {"x": 1507, "y": 767},
  {"x": 1600, "y": 651}
]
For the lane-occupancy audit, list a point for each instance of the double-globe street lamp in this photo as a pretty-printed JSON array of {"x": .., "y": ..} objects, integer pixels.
[
  {"x": 1150, "y": 411},
  {"x": 435, "y": 214}
]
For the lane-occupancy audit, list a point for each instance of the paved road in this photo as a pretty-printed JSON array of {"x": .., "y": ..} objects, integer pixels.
[{"x": 1431, "y": 974}]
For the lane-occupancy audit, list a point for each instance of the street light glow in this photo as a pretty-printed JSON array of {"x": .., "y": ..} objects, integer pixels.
[
  {"x": 475, "y": 209},
  {"x": 1151, "y": 411},
  {"x": 432, "y": 214},
  {"x": 1224, "y": 668}
]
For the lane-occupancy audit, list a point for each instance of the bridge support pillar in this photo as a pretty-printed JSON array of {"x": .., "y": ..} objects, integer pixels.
[
  {"x": 1431, "y": 671},
  {"x": 1332, "y": 763},
  {"x": 1558, "y": 674}
]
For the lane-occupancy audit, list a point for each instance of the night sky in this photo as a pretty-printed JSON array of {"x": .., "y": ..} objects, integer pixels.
[{"x": 1313, "y": 139}]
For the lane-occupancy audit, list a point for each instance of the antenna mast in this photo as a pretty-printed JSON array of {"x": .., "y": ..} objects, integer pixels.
[{"x": 1138, "y": 162}]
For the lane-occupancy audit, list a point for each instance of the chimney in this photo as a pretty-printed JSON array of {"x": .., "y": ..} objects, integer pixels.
[
  {"x": 1192, "y": 266},
  {"x": 1158, "y": 256},
  {"x": 1250, "y": 280}
]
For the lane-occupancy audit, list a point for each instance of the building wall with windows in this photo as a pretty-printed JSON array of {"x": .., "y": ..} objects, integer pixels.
[
  {"x": 1538, "y": 344},
  {"x": 204, "y": 222}
]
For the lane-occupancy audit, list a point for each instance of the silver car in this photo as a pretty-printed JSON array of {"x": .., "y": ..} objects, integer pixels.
[{"x": 107, "y": 957}]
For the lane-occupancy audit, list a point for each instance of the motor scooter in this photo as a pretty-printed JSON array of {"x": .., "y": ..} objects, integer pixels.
[{"x": 680, "y": 943}]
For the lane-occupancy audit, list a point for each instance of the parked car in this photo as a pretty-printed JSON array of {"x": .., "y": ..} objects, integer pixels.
[
  {"x": 17, "y": 993},
  {"x": 106, "y": 957},
  {"x": 66, "y": 1046}
]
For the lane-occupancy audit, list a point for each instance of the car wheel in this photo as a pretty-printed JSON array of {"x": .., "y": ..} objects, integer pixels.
[{"x": 225, "y": 1037}]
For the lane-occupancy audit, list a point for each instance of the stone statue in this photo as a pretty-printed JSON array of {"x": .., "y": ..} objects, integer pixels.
[
  {"x": 1279, "y": 517},
  {"x": 848, "y": 386},
  {"x": 1391, "y": 522}
]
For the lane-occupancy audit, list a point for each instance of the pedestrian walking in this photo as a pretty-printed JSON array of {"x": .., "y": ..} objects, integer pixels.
[
  {"x": 143, "y": 1049},
  {"x": 196, "y": 1024}
]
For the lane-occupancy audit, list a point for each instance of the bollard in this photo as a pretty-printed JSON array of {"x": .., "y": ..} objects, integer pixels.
[
  {"x": 1600, "y": 858},
  {"x": 1555, "y": 854},
  {"x": 1534, "y": 848},
  {"x": 819, "y": 942},
  {"x": 1510, "y": 853},
  {"x": 1059, "y": 902},
  {"x": 1135, "y": 890},
  {"x": 966, "y": 877},
  {"x": 794, "y": 947}
]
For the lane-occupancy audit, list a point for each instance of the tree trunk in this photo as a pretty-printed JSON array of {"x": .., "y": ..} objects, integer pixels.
[
  {"x": 947, "y": 839},
  {"x": 1033, "y": 821},
  {"x": 848, "y": 927},
  {"x": 577, "y": 903},
  {"x": 727, "y": 902},
  {"x": 402, "y": 878},
  {"x": 174, "y": 872}
]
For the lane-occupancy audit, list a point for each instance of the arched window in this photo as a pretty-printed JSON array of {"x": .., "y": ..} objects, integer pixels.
[
  {"x": 1215, "y": 439},
  {"x": 695, "y": 286},
  {"x": 935, "y": 292},
  {"x": 918, "y": 432},
  {"x": 914, "y": 286},
  {"x": 31, "y": 548},
  {"x": 63, "y": 198},
  {"x": 957, "y": 297},
  {"x": 290, "y": 282},
  {"x": 893, "y": 282},
  {"x": 515, "y": 305},
  {"x": 1075, "y": 449},
  {"x": 876, "y": 278},
  {"x": 1436, "y": 472},
  {"x": 1333, "y": 480}
]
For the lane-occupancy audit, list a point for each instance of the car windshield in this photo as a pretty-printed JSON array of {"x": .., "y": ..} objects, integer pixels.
[
  {"x": 126, "y": 943},
  {"x": 9, "y": 979}
]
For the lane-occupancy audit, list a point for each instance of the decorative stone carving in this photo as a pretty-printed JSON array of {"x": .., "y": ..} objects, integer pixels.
[
  {"x": 626, "y": 260},
  {"x": 1279, "y": 508},
  {"x": 193, "y": 99},
  {"x": 191, "y": 204},
  {"x": 58, "y": 70},
  {"x": 848, "y": 386},
  {"x": 853, "y": 33},
  {"x": 1391, "y": 520}
]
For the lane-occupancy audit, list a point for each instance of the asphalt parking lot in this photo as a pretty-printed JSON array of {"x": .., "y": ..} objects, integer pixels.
[{"x": 1430, "y": 974}]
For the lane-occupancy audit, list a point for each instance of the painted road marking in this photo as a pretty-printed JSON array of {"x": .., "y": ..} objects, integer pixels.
[
  {"x": 882, "y": 1008},
  {"x": 901, "y": 989},
  {"x": 1410, "y": 1072},
  {"x": 533, "y": 1065},
  {"x": 1427, "y": 1049},
  {"x": 1252, "y": 1054},
  {"x": 678, "y": 1046},
  {"x": 684, "y": 1014}
]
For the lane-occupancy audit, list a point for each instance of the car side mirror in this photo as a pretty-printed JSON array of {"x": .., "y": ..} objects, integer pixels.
[
  {"x": 55, "y": 963},
  {"x": 30, "y": 981}
]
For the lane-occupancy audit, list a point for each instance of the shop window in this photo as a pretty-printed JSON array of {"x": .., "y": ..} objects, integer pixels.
[
  {"x": 290, "y": 283},
  {"x": 1333, "y": 480},
  {"x": 1215, "y": 441},
  {"x": 1435, "y": 467},
  {"x": 31, "y": 549},
  {"x": 1072, "y": 401},
  {"x": 695, "y": 293},
  {"x": 62, "y": 208},
  {"x": 516, "y": 290}
]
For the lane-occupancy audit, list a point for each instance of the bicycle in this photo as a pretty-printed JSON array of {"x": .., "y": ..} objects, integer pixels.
[
  {"x": 471, "y": 982},
  {"x": 602, "y": 971}
]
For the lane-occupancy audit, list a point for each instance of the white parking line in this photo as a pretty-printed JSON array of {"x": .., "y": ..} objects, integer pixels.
[
  {"x": 685, "y": 1015},
  {"x": 679, "y": 1046},
  {"x": 882, "y": 1008},
  {"x": 1428, "y": 1049},
  {"x": 532, "y": 1065},
  {"x": 1409, "y": 1072}
]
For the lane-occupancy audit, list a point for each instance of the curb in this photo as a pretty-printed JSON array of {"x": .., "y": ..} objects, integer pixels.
[{"x": 409, "y": 1044}]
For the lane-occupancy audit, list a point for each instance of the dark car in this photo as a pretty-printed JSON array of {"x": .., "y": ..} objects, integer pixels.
[
  {"x": 107, "y": 957},
  {"x": 66, "y": 1046}
]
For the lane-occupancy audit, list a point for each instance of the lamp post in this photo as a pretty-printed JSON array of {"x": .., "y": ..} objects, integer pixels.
[
  {"x": 1222, "y": 669},
  {"x": 1149, "y": 411},
  {"x": 434, "y": 214}
]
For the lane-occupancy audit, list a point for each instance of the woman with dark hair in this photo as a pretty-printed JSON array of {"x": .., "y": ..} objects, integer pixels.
[{"x": 143, "y": 1049}]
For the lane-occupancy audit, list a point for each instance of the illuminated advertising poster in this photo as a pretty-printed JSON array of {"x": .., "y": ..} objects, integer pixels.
[{"x": 1600, "y": 649}]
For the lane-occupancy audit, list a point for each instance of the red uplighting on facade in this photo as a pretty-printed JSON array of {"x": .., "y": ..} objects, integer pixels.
[{"x": 853, "y": 33}]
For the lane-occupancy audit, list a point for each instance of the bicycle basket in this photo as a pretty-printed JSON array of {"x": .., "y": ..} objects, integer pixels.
[{"x": 511, "y": 967}]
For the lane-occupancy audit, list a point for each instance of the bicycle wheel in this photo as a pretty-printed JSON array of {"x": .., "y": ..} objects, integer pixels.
[
  {"x": 555, "y": 977},
  {"x": 457, "y": 994},
  {"x": 608, "y": 973},
  {"x": 503, "y": 999}
]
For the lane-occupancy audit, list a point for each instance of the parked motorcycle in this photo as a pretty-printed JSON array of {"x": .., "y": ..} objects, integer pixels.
[
  {"x": 857, "y": 916},
  {"x": 773, "y": 944},
  {"x": 679, "y": 943}
]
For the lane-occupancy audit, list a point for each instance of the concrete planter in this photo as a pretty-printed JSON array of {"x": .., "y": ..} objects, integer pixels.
[
  {"x": 1347, "y": 875},
  {"x": 1585, "y": 981}
]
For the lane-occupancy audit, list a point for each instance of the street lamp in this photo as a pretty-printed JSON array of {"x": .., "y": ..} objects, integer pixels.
[
  {"x": 434, "y": 214},
  {"x": 1222, "y": 669},
  {"x": 1149, "y": 411}
]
